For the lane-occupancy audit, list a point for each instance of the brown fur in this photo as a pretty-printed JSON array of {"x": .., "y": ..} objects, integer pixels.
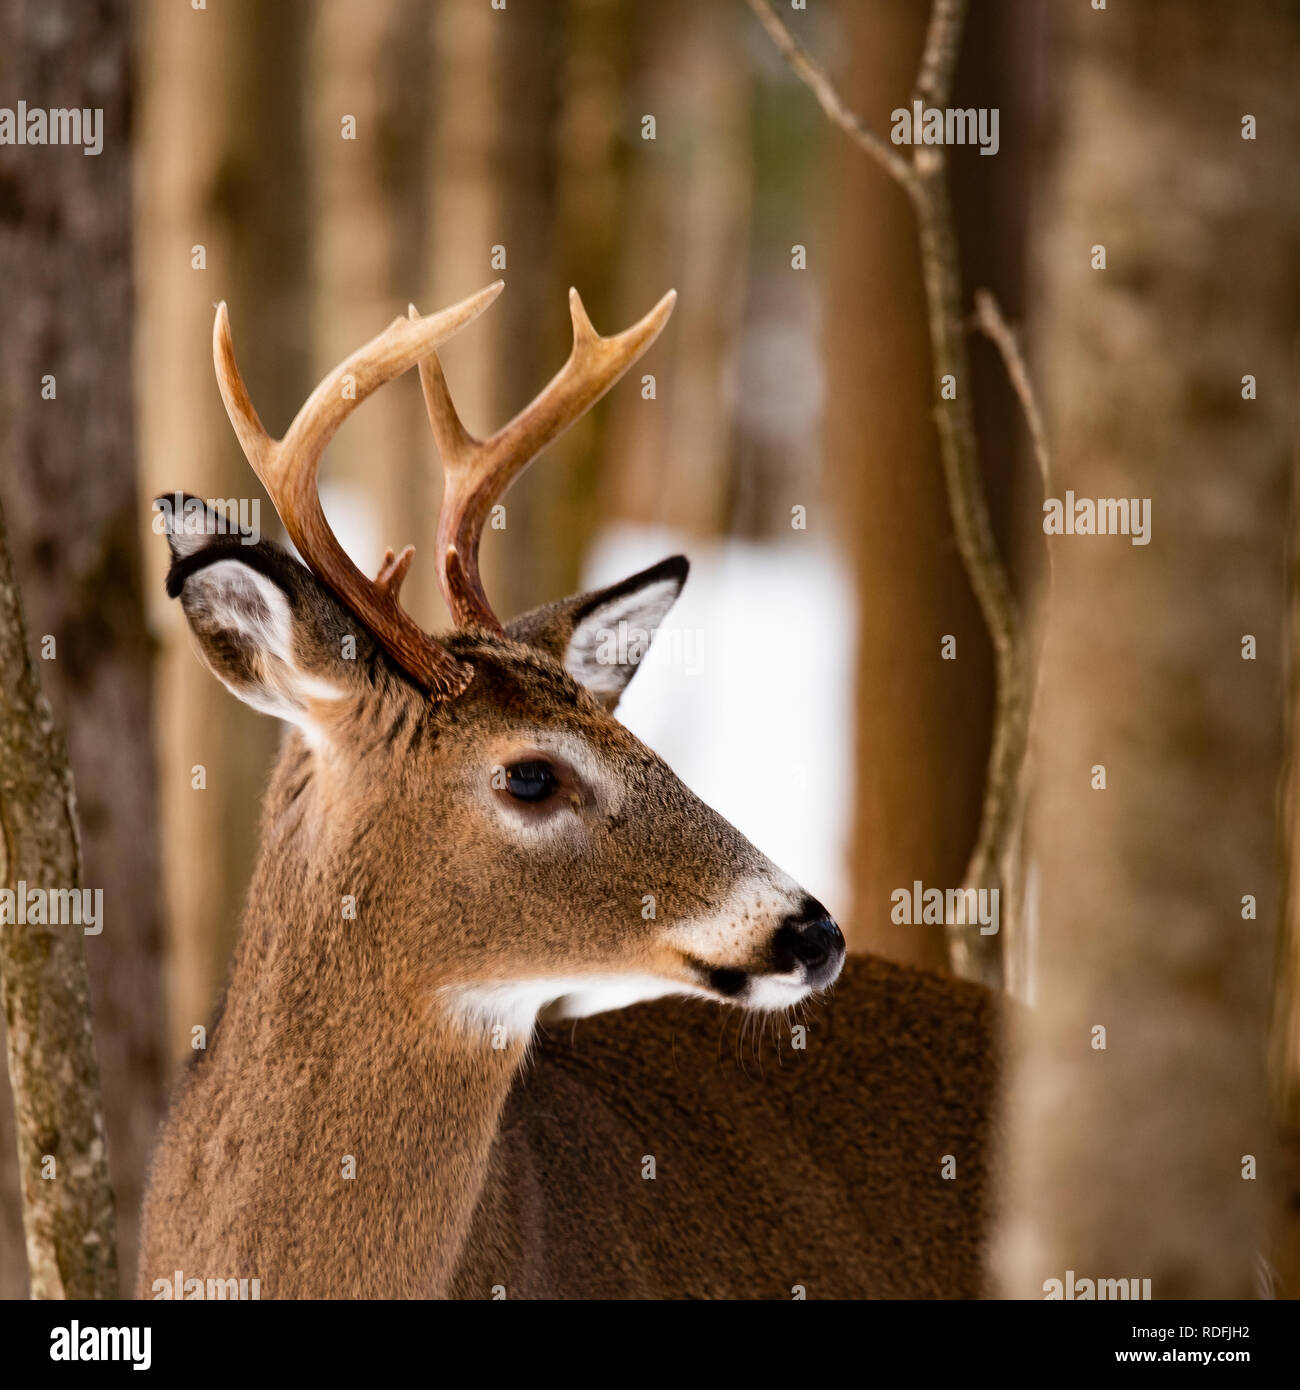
[
  {"x": 476, "y": 1165},
  {"x": 774, "y": 1167}
]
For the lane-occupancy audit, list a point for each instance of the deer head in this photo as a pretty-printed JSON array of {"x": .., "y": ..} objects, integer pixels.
[{"x": 513, "y": 849}]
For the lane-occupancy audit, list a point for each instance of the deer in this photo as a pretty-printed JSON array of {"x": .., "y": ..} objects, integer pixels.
[{"x": 465, "y": 1049}]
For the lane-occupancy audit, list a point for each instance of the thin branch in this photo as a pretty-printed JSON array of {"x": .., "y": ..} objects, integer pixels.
[
  {"x": 972, "y": 955},
  {"x": 939, "y": 57},
  {"x": 823, "y": 89},
  {"x": 989, "y": 320},
  {"x": 925, "y": 179}
]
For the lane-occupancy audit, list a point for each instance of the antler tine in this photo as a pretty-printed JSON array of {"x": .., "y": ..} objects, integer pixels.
[
  {"x": 288, "y": 469},
  {"x": 477, "y": 472}
]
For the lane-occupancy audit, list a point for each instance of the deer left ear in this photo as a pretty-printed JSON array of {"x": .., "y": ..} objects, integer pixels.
[
  {"x": 265, "y": 627},
  {"x": 601, "y": 637}
]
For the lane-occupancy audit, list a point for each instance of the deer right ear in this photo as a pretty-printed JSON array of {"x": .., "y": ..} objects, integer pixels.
[
  {"x": 600, "y": 638},
  {"x": 261, "y": 627}
]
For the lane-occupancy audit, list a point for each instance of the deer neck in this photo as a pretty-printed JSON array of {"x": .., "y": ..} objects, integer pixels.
[{"x": 369, "y": 1098}]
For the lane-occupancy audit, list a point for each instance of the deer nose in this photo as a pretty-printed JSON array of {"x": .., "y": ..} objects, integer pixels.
[{"x": 809, "y": 940}]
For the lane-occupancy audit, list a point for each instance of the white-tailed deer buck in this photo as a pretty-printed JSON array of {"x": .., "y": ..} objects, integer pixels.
[{"x": 460, "y": 841}]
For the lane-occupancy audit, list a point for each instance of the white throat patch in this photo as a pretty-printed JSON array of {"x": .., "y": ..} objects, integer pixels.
[
  {"x": 734, "y": 937},
  {"x": 517, "y": 1005}
]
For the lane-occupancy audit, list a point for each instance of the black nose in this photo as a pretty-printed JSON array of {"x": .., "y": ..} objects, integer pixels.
[{"x": 809, "y": 939}]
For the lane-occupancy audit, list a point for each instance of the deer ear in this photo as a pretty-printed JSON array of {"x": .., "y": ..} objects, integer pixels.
[
  {"x": 601, "y": 637},
  {"x": 262, "y": 626}
]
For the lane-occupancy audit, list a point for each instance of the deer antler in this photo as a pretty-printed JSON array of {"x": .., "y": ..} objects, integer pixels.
[
  {"x": 477, "y": 472},
  {"x": 288, "y": 468}
]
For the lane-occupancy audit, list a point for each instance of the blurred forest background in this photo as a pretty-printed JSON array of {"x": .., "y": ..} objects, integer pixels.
[{"x": 819, "y": 716}]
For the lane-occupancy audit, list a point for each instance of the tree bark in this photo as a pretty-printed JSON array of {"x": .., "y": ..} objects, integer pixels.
[
  {"x": 1284, "y": 1056},
  {"x": 1129, "y": 1153},
  {"x": 687, "y": 212},
  {"x": 53, "y": 1076},
  {"x": 73, "y": 511}
]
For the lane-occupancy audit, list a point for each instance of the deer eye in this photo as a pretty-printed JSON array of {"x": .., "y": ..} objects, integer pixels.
[{"x": 532, "y": 781}]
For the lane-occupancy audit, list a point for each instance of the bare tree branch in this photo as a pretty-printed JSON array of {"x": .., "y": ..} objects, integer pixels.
[
  {"x": 939, "y": 57},
  {"x": 925, "y": 179},
  {"x": 824, "y": 90},
  {"x": 990, "y": 321},
  {"x": 62, "y": 1157}
]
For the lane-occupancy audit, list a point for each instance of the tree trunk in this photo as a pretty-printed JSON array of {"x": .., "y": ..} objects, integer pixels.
[
  {"x": 923, "y": 722},
  {"x": 220, "y": 167},
  {"x": 686, "y": 224},
  {"x": 67, "y": 1202},
  {"x": 1137, "y": 1093},
  {"x": 73, "y": 511},
  {"x": 369, "y": 63},
  {"x": 494, "y": 182},
  {"x": 1284, "y": 1249}
]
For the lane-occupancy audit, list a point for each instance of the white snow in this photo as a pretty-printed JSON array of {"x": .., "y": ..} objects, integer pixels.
[{"x": 747, "y": 690}]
